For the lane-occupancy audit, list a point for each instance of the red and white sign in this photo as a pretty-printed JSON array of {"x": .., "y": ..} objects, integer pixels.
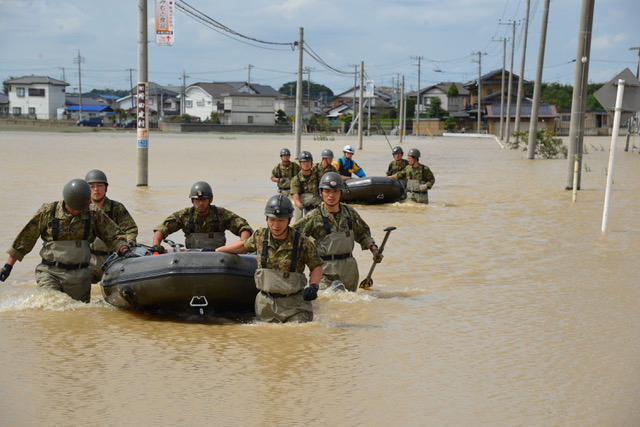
[{"x": 165, "y": 22}]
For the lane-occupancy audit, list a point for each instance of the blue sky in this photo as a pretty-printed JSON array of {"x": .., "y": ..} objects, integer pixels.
[{"x": 43, "y": 38}]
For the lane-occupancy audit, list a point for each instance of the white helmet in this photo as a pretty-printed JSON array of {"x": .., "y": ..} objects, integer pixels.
[{"x": 349, "y": 149}]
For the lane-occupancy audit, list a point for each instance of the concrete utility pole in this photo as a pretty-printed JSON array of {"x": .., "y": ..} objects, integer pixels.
[
  {"x": 142, "y": 131},
  {"x": 418, "y": 100},
  {"x": 183, "y": 101},
  {"x": 520, "y": 93},
  {"x": 79, "y": 60},
  {"x": 635, "y": 117},
  {"x": 360, "y": 106},
  {"x": 249, "y": 67},
  {"x": 479, "y": 88},
  {"x": 308, "y": 71},
  {"x": 504, "y": 58},
  {"x": 355, "y": 85},
  {"x": 64, "y": 79},
  {"x": 299, "y": 93},
  {"x": 130, "y": 70},
  {"x": 508, "y": 116},
  {"x": 579, "y": 98},
  {"x": 401, "y": 124},
  {"x": 537, "y": 88}
]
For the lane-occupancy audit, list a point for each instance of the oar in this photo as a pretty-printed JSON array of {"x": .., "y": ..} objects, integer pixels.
[{"x": 368, "y": 281}]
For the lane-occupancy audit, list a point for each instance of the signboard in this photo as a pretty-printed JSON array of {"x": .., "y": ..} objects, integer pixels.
[
  {"x": 369, "y": 89},
  {"x": 165, "y": 22},
  {"x": 606, "y": 95},
  {"x": 142, "y": 113}
]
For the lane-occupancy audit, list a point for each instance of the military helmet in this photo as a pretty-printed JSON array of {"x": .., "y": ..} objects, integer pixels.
[
  {"x": 306, "y": 156},
  {"x": 414, "y": 152},
  {"x": 397, "y": 149},
  {"x": 201, "y": 190},
  {"x": 279, "y": 206},
  {"x": 331, "y": 181},
  {"x": 77, "y": 194},
  {"x": 96, "y": 175},
  {"x": 285, "y": 152},
  {"x": 326, "y": 153},
  {"x": 349, "y": 149}
]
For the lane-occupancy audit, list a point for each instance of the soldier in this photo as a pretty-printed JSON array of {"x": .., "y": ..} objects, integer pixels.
[
  {"x": 419, "y": 178},
  {"x": 326, "y": 165},
  {"x": 203, "y": 224},
  {"x": 346, "y": 166},
  {"x": 282, "y": 254},
  {"x": 284, "y": 172},
  {"x": 67, "y": 227},
  {"x": 115, "y": 211},
  {"x": 304, "y": 187},
  {"x": 398, "y": 164},
  {"x": 336, "y": 227}
]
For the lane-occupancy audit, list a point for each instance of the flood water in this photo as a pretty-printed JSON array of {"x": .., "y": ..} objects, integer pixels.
[{"x": 501, "y": 303}]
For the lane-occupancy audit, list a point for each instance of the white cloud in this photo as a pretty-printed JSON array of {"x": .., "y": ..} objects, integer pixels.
[{"x": 609, "y": 41}]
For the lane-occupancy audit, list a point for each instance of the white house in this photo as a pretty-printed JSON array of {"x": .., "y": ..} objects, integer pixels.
[
  {"x": 249, "y": 109},
  {"x": 36, "y": 97}
]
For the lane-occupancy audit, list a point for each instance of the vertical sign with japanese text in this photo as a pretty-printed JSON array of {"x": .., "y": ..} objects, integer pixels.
[
  {"x": 369, "y": 89},
  {"x": 165, "y": 22},
  {"x": 142, "y": 113}
]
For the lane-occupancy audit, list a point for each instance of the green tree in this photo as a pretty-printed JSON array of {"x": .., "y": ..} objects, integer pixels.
[
  {"x": 317, "y": 90},
  {"x": 435, "y": 110},
  {"x": 547, "y": 145},
  {"x": 450, "y": 124},
  {"x": 453, "y": 91},
  {"x": 411, "y": 108},
  {"x": 281, "y": 117}
]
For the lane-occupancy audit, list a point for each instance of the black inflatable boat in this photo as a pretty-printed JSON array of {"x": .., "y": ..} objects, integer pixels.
[
  {"x": 373, "y": 190},
  {"x": 193, "y": 281}
]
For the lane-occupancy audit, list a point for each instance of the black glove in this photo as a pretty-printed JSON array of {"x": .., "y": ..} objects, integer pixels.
[
  {"x": 310, "y": 292},
  {"x": 5, "y": 271},
  {"x": 377, "y": 256},
  {"x": 130, "y": 254},
  {"x": 157, "y": 248}
]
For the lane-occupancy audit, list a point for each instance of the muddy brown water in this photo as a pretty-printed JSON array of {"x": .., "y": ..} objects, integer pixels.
[{"x": 500, "y": 303}]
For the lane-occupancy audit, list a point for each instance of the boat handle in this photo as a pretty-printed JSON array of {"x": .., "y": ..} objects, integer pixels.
[{"x": 199, "y": 301}]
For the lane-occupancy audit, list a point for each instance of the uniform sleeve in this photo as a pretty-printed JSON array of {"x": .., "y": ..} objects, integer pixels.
[
  {"x": 27, "y": 238},
  {"x": 296, "y": 188},
  {"x": 430, "y": 178},
  {"x": 107, "y": 230},
  {"x": 275, "y": 172},
  {"x": 233, "y": 222},
  {"x": 336, "y": 164},
  {"x": 404, "y": 173},
  {"x": 310, "y": 254},
  {"x": 251, "y": 244},
  {"x": 390, "y": 169},
  {"x": 358, "y": 170},
  {"x": 126, "y": 223},
  {"x": 361, "y": 230},
  {"x": 304, "y": 224},
  {"x": 171, "y": 224}
]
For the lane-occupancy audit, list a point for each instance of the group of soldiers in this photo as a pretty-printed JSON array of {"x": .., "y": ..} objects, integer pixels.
[{"x": 80, "y": 231}]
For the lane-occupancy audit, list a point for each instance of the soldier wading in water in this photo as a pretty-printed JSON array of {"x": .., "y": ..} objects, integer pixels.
[
  {"x": 67, "y": 227},
  {"x": 282, "y": 254},
  {"x": 203, "y": 224},
  {"x": 283, "y": 172},
  {"x": 336, "y": 227}
]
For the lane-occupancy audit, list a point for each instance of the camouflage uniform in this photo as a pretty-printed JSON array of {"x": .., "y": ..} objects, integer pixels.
[
  {"x": 419, "y": 181},
  {"x": 394, "y": 169},
  {"x": 306, "y": 186},
  {"x": 348, "y": 227},
  {"x": 322, "y": 170},
  {"x": 99, "y": 251},
  {"x": 204, "y": 231},
  {"x": 284, "y": 175},
  {"x": 282, "y": 300},
  {"x": 65, "y": 251}
]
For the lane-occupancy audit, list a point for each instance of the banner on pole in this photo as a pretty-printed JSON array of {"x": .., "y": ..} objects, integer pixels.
[
  {"x": 165, "y": 22},
  {"x": 369, "y": 89}
]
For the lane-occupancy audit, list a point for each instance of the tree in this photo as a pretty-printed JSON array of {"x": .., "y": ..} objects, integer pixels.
[
  {"x": 411, "y": 108},
  {"x": 281, "y": 117},
  {"x": 453, "y": 91},
  {"x": 435, "y": 110},
  {"x": 450, "y": 124},
  {"x": 548, "y": 146},
  {"x": 317, "y": 89}
]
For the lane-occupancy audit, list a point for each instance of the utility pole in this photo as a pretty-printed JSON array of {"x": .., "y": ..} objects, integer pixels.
[
  {"x": 513, "y": 44},
  {"x": 355, "y": 84},
  {"x": 520, "y": 93},
  {"x": 249, "y": 67},
  {"x": 308, "y": 71},
  {"x": 401, "y": 124},
  {"x": 142, "y": 127},
  {"x": 130, "y": 70},
  {"x": 504, "y": 58},
  {"x": 479, "y": 87},
  {"x": 298, "y": 122},
  {"x": 79, "y": 60},
  {"x": 183, "y": 101},
  {"x": 537, "y": 88},
  {"x": 418, "y": 100},
  {"x": 64, "y": 79},
  {"x": 578, "y": 100},
  {"x": 636, "y": 117},
  {"x": 360, "y": 106}
]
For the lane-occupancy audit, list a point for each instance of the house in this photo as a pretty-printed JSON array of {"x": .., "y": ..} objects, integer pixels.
[
  {"x": 380, "y": 99},
  {"x": 4, "y": 105},
  {"x": 163, "y": 101},
  {"x": 453, "y": 104},
  {"x": 36, "y": 97},
  {"x": 90, "y": 108},
  {"x": 234, "y": 102},
  {"x": 492, "y": 98},
  {"x": 107, "y": 98}
]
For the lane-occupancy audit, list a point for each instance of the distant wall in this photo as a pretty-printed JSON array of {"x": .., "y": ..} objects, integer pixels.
[{"x": 207, "y": 127}]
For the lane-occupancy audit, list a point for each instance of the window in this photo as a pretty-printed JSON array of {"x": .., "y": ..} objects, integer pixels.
[
  {"x": 249, "y": 119},
  {"x": 20, "y": 91},
  {"x": 188, "y": 103},
  {"x": 17, "y": 111},
  {"x": 32, "y": 110},
  {"x": 200, "y": 103},
  {"x": 36, "y": 92}
]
